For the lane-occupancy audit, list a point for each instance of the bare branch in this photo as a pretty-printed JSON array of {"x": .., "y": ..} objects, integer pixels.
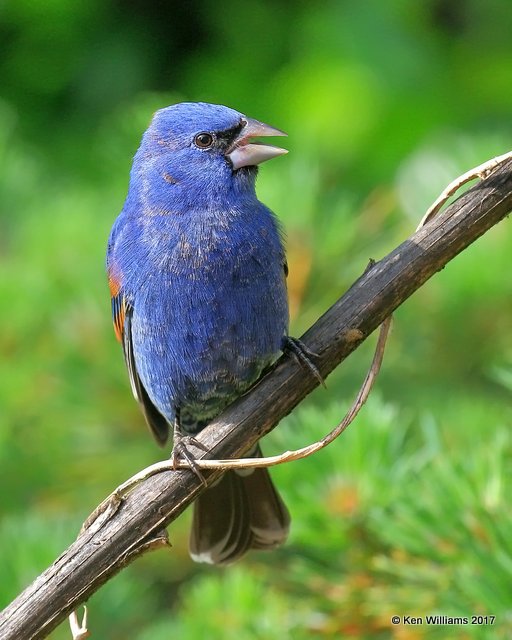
[{"x": 127, "y": 527}]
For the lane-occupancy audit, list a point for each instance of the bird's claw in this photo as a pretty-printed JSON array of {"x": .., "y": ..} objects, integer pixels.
[
  {"x": 180, "y": 452},
  {"x": 303, "y": 355}
]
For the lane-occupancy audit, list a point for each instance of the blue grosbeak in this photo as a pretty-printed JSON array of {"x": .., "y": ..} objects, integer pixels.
[{"x": 197, "y": 272}]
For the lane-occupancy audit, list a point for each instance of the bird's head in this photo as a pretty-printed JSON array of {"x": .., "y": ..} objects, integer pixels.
[{"x": 201, "y": 147}]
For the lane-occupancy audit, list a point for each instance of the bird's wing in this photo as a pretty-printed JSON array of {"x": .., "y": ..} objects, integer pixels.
[
  {"x": 119, "y": 304},
  {"x": 122, "y": 313}
]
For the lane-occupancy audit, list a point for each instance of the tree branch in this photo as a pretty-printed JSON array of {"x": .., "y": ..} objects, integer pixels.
[{"x": 126, "y": 528}]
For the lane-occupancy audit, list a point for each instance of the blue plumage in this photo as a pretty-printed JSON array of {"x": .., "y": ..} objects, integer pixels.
[{"x": 197, "y": 274}]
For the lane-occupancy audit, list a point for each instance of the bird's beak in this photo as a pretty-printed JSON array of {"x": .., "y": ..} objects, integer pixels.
[{"x": 245, "y": 153}]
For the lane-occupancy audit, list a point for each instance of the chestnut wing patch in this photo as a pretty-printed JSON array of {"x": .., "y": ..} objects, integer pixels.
[
  {"x": 118, "y": 305},
  {"x": 122, "y": 312}
]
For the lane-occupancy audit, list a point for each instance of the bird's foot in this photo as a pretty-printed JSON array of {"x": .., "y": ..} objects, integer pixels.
[
  {"x": 303, "y": 355},
  {"x": 181, "y": 452}
]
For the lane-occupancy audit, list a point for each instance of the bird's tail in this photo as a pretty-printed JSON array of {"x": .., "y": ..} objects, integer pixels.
[{"x": 241, "y": 511}]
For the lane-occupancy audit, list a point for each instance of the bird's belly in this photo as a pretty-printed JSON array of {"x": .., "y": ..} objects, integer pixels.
[{"x": 219, "y": 382}]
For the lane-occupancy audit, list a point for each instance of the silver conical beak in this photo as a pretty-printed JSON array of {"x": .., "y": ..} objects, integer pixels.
[{"x": 244, "y": 153}]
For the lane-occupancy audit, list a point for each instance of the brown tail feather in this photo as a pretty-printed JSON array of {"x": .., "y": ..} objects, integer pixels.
[
  {"x": 270, "y": 520},
  {"x": 239, "y": 513}
]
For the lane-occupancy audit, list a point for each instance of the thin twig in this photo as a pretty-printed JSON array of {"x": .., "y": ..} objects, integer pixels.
[
  {"x": 482, "y": 171},
  {"x": 79, "y": 630}
]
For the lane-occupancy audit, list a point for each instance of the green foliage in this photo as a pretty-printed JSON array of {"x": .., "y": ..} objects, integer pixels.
[{"x": 384, "y": 104}]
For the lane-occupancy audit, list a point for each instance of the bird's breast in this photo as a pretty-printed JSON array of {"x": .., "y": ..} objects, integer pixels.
[{"x": 210, "y": 314}]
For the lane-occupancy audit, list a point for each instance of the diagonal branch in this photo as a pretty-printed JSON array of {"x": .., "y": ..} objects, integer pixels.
[{"x": 128, "y": 527}]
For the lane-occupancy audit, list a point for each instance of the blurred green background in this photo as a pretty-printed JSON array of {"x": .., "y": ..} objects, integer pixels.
[{"x": 384, "y": 103}]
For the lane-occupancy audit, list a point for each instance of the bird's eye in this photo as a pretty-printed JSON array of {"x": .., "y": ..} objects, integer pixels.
[{"x": 203, "y": 140}]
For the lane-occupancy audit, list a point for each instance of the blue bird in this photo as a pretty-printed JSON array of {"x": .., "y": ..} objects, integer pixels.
[{"x": 197, "y": 275}]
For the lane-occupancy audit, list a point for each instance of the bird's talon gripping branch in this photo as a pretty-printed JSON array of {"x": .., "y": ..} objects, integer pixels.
[
  {"x": 180, "y": 454},
  {"x": 303, "y": 355},
  {"x": 180, "y": 450}
]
